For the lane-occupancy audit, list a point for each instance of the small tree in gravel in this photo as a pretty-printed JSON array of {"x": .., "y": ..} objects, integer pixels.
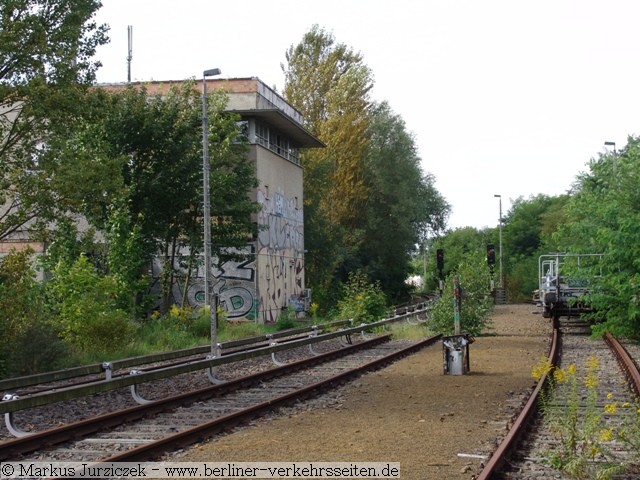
[
  {"x": 362, "y": 300},
  {"x": 476, "y": 300}
]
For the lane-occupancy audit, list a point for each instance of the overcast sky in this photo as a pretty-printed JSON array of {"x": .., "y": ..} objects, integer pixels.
[{"x": 503, "y": 97}]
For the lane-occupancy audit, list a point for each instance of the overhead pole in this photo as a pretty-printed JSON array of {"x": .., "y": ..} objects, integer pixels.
[
  {"x": 129, "y": 51},
  {"x": 206, "y": 211}
]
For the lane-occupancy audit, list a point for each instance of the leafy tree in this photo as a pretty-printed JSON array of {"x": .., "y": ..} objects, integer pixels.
[
  {"x": 366, "y": 181},
  {"x": 401, "y": 199},
  {"x": 362, "y": 301},
  {"x": 46, "y": 51},
  {"x": 603, "y": 216},
  {"x": 527, "y": 234},
  {"x": 476, "y": 298},
  {"x": 330, "y": 85},
  {"x": 152, "y": 144}
]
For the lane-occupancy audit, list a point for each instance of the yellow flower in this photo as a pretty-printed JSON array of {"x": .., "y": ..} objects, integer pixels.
[
  {"x": 559, "y": 375},
  {"x": 591, "y": 381},
  {"x": 572, "y": 369},
  {"x": 609, "y": 396},
  {"x": 592, "y": 363},
  {"x": 606, "y": 435},
  {"x": 541, "y": 368},
  {"x": 611, "y": 407}
]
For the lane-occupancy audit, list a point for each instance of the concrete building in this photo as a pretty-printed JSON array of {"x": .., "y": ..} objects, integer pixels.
[{"x": 274, "y": 276}]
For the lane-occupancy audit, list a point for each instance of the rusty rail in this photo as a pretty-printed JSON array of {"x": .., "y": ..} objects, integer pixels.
[
  {"x": 628, "y": 366},
  {"x": 509, "y": 443},
  {"x": 625, "y": 361}
]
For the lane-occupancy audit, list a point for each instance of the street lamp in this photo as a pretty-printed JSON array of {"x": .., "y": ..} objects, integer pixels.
[
  {"x": 615, "y": 156},
  {"x": 213, "y": 309},
  {"x": 611, "y": 144},
  {"x": 500, "y": 238}
]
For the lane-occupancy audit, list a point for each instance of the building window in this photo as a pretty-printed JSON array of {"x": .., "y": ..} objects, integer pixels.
[{"x": 275, "y": 141}]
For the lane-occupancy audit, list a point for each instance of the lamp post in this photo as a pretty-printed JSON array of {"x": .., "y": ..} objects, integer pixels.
[
  {"x": 500, "y": 238},
  {"x": 611, "y": 144},
  {"x": 615, "y": 156},
  {"x": 206, "y": 210}
]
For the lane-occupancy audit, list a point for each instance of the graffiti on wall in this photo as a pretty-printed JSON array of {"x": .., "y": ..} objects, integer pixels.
[
  {"x": 281, "y": 243},
  {"x": 280, "y": 250},
  {"x": 233, "y": 282}
]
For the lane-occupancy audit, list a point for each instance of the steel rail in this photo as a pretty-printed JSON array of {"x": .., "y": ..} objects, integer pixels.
[
  {"x": 625, "y": 361},
  {"x": 15, "y": 403},
  {"x": 36, "y": 441},
  {"x": 198, "y": 433},
  {"x": 497, "y": 460},
  {"x": 529, "y": 411},
  {"x": 99, "y": 368},
  {"x": 29, "y": 443}
]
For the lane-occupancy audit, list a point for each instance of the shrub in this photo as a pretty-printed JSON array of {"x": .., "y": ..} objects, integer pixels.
[
  {"x": 362, "y": 300},
  {"x": 85, "y": 307},
  {"x": 476, "y": 301},
  {"x": 34, "y": 344}
]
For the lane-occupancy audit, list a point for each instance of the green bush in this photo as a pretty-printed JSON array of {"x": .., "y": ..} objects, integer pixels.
[
  {"x": 476, "y": 300},
  {"x": 362, "y": 301},
  {"x": 85, "y": 307},
  {"x": 31, "y": 344}
]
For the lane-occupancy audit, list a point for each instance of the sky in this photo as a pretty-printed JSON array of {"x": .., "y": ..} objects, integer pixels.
[{"x": 502, "y": 97}]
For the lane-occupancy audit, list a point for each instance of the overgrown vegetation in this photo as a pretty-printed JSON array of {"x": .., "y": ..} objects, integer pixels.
[
  {"x": 586, "y": 441},
  {"x": 362, "y": 301},
  {"x": 476, "y": 301}
]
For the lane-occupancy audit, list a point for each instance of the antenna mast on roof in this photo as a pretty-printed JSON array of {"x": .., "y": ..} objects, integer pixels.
[{"x": 130, "y": 35}]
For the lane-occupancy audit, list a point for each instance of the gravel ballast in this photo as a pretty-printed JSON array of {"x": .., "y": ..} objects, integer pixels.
[{"x": 436, "y": 426}]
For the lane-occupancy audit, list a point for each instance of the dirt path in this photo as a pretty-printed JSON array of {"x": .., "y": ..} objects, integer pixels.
[{"x": 408, "y": 412}]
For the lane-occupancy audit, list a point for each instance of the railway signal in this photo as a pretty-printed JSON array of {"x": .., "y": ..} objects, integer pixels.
[
  {"x": 491, "y": 261},
  {"x": 440, "y": 265}
]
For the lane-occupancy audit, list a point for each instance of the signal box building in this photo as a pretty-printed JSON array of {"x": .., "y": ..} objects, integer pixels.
[{"x": 273, "y": 277}]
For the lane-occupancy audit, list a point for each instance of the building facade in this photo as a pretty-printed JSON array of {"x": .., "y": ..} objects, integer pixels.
[{"x": 272, "y": 279}]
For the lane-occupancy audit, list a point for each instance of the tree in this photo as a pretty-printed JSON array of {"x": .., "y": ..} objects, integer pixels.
[
  {"x": 329, "y": 84},
  {"x": 603, "y": 216},
  {"x": 401, "y": 199},
  {"x": 366, "y": 181},
  {"x": 46, "y": 51},
  {"x": 153, "y": 145}
]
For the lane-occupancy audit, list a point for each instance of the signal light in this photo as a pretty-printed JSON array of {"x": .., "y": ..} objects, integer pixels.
[{"x": 491, "y": 254}]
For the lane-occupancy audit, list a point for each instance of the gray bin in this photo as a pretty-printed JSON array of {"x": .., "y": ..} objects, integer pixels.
[{"x": 455, "y": 351}]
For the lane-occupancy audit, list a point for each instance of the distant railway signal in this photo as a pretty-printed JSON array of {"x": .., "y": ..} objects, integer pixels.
[
  {"x": 440, "y": 259},
  {"x": 491, "y": 255}
]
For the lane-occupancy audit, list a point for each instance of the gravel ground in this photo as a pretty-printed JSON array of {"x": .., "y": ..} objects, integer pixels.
[{"x": 436, "y": 426}]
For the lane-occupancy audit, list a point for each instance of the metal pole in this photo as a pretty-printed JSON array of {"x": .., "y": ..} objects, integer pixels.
[
  {"x": 615, "y": 156},
  {"x": 500, "y": 239},
  {"x": 206, "y": 210}
]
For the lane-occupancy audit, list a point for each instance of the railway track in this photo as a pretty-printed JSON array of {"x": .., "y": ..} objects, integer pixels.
[
  {"x": 146, "y": 431},
  {"x": 606, "y": 379}
]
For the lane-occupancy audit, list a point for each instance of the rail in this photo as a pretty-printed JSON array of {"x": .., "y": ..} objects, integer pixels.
[
  {"x": 12, "y": 403},
  {"x": 100, "y": 368},
  {"x": 519, "y": 426},
  {"x": 497, "y": 460}
]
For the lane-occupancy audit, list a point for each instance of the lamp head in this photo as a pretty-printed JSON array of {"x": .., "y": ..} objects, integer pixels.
[{"x": 211, "y": 72}]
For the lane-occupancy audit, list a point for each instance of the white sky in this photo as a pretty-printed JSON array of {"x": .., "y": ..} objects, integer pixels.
[{"x": 504, "y": 97}]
